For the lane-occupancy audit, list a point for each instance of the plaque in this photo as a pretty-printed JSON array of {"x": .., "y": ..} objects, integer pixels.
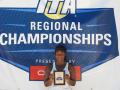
[{"x": 59, "y": 78}]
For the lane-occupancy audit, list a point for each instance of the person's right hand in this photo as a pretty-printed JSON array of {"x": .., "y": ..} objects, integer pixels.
[{"x": 51, "y": 78}]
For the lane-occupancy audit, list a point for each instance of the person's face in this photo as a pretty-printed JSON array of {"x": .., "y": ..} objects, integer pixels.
[{"x": 60, "y": 56}]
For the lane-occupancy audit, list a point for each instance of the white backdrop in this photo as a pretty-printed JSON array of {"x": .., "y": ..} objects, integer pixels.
[{"x": 103, "y": 77}]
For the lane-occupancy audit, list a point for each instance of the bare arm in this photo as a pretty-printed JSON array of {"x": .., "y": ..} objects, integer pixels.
[
  {"x": 71, "y": 79},
  {"x": 48, "y": 77}
]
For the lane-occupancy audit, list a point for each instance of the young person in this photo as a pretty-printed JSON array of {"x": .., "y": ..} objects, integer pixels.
[{"x": 60, "y": 64}]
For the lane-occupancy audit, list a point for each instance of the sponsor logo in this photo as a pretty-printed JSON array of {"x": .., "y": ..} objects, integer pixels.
[{"x": 37, "y": 72}]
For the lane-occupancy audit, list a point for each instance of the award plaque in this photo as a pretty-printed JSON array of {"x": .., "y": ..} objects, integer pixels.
[{"x": 59, "y": 78}]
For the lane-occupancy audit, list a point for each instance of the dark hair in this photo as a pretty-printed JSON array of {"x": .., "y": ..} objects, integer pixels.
[{"x": 63, "y": 49}]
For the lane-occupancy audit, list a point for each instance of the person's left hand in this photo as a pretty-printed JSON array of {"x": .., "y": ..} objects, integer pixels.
[{"x": 67, "y": 77}]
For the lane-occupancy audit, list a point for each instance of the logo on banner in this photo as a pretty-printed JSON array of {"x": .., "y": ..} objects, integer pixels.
[
  {"x": 37, "y": 73},
  {"x": 56, "y": 9}
]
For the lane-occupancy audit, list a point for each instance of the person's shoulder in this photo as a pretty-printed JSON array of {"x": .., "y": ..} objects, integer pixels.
[
  {"x": 70, "y": 64},
  {"x": 50, "y": 65}
]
